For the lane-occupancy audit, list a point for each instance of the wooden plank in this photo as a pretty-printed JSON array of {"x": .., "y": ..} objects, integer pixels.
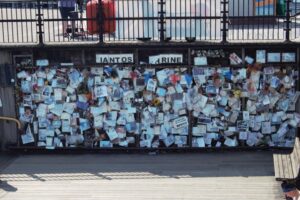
[
  {"x": 286, "y": 167},
  {"x": 276, "y": 166},
  {"x": 297, "y": 149},
  {"x": 235, "y": 175},
  {"x": 294, "y": 163},
  {"x": 290, "y": 167}
]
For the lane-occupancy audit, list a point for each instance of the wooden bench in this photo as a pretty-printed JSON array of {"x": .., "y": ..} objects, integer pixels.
[{"x": 287, "y": 166}]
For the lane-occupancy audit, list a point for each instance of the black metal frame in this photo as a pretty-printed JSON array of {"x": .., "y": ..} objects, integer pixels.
[
  {"x": 45, "y": 17},
  {"x": 187, "y": 64}
]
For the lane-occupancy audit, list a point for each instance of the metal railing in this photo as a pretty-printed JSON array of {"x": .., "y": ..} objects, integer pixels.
[{"x": 42, "y": 22}]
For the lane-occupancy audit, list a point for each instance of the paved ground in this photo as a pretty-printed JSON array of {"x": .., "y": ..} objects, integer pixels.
[{"x": 209, "y": 176}]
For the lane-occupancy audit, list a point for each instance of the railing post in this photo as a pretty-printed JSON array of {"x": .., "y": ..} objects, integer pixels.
[
  {"x": 161, "y": 21},
  {"x": 224, "y": 20},
  {"x": 39, "y": 22},
  {"x": 100, "y": 20},
  {"x": 287, "y": 20}
]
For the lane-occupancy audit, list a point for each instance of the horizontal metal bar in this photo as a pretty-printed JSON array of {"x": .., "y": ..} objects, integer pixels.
[
  {"x": 17, "y": 20},
  {"x": 143, "y": 150}
]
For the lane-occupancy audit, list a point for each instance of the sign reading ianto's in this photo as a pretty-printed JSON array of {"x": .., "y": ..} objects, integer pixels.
[{"x": 114, "y": 58}]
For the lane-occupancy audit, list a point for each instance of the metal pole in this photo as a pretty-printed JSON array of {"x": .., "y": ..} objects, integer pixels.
[
  {"x": 162, "y": 20},
  {"x": 100, "y": 21},
  {"x": 39, "y": 23},
  {"x": 224, "y": 21},
  {"x": 288, "y": 21}
]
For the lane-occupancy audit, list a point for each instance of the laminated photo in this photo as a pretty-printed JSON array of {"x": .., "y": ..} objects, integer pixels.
[
  {"x": 41, "y": 82},
  {"x": 105, "y": 144},
  {"x": 274, "y": 57},
  {"x": 56, "y": 124},
  {"x": 47, "y": 91},
  {"x": 243, "y": 135},
  {"x": 26, "y": 86},
  {"x": 97, "y": 71},
  {"x": 84, "y": 124},
  {"x": 66, "y": 128},
  {"x": 58, "y": 94},
  {"x": 198, "y": 142},
  {"x": 269, "y": 70},
  {"x": 69, "y": 107},
  {"x": 163, "y": 76},
  {"x": 235, "y": 59},
  {"x": 43, "y": 134},
  {"x": 249, "y": 60},
  {"x": 161, "y": 92},
  {"x": 230, "y": 142},
  {"x": 200, "y": 61},
  {"x": 151, "y": 85},
  {"x": 100, "y": 91},
  {"x": 112, "y": 134},
  {"x": 261, "y": 56},
  {"x": 43, "y": 122},
  {"x": 98, "y": 121},
  {"x": 289, "y": 57},
  {"x": 57, "y": 110},
  {"x": 27, "y": 138},
  {"x": 243, "y": 125},
  {"x": 115, "y": 105}
]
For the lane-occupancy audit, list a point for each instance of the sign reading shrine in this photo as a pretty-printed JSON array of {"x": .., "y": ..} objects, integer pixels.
[
  {"x": 114, "y": 58},
  {"x": 166, "y": 59}
]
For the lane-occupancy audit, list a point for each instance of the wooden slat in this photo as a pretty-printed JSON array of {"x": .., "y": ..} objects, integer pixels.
[
  {"x": 294, "y": 164},
  {"x": 279, "y": 167},
  {"x": 284, "y": 163},
  {"x": 291, "y": 174},
  {"x": 297, "y": 149},
  {"x": 276, "y": 166}
]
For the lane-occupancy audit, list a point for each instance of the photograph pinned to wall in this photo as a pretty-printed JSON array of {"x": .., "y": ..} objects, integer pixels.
[
  {"x": 200, "y": 61},
  {"x": 274, "y": 57},
  {"x": 288, "y": 57},
  {"x": 261, "y": 56}
]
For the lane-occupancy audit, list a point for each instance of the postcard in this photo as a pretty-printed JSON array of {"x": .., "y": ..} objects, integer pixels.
[
  {"x": 274, "y": 57},
  {"x": 198, "y": 142},
  {"x": 249, "y": 60},
  {"x": 97, "y": 71},
  {"x": 151, "y": 85},
  {"x": 198, "y": 61},
  {"x": 169, "y": 140},
  {"x": 261, "y": 56},
  {"x": 230, "y": 142},
  {"x": 100, "y": 91},
  {"x": 289, "y": 57},
  {"x": 42, "y": 134},
  {"x": 243, "y": 135},
  {"x": 105, "y": 144},
  {"x": 112, "y": 134},
  {"x": 28, "y": 136},
  {"x": 84, "y": 124}
]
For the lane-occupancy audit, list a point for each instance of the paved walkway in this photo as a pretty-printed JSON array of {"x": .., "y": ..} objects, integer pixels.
[{"x": 211, "y": 176}]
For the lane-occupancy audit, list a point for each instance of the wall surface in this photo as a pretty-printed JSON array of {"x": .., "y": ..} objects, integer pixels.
[{"x": 8, "y": 130}]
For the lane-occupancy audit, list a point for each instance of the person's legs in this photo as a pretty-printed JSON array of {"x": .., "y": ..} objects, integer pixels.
[{"x": 64, "y": 16}]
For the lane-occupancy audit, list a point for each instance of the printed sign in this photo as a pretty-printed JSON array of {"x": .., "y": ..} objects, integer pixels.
[
  {"x": 166, "y": 59},
  {"x": 114, "y": 58}
]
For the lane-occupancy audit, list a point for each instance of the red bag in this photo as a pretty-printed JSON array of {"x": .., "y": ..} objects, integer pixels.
[{"x": 108, "y": 7}]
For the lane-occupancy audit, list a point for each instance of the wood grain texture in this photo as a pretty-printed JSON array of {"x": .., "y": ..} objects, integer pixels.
[{"x": 226, "y": 176}]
